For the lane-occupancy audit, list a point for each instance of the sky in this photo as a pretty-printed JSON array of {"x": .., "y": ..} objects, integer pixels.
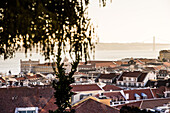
[{"x": 127, "y": 21}]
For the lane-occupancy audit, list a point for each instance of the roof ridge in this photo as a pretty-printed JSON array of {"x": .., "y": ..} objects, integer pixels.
[
  {"x": 152, "y": 93},
  {"x": 141, "y": 104},
  {"x": 46, "y": 103}
]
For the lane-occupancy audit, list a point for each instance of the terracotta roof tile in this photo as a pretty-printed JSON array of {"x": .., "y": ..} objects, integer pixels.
[
  {"x": 105, "y": 64},
  {"x": 114, "y": 94},
  {"x": 20, "y": 78},
  {"x": 130, "y": 74},
  {"x": 143, "y": 104},
  {"x": 92, "y": 106},
  {"x": 154, "y": 103},
  {"x": 111, "y": 87},
  {"x": 87, "y": 106},
  {"x": 49, "y": 106},
  {"x": 24, "y": 97},
  {"x": 108, "y": 76},
  {"x": 158, "y": 92},
  {"x": 95, "y": 61},
  {"x": 118, "y": 62},
  {"x": 85, "y": 87},
  {"x": 142, "y": 77},
  {"x": 86, "y": 66},
  {"x": 138, "y": 91},
  {"x": 134, "y": 104},
  {"x": 166, "y": 64}
]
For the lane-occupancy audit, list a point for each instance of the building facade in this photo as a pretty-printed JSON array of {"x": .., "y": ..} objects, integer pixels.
[
  {"x": 27, "y": 66},
  {"x": 164, "y": 55},
  {"x": 135, "y": 79}
]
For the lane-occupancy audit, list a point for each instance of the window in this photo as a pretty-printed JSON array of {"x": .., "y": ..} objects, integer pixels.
[
  {"x": 124, "y": 78},
  {"x": 134, "y": 84},
  {"x": 31, "y": 111},
  {"x": 115, "y": 103},
  {"x": 27, "y": 110},
  {"x": 139, "y": 84},
  {"x": 129, "y": 79}
]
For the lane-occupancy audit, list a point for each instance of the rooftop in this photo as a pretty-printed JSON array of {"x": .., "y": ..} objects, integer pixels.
[{"x": 85, "y": 87}]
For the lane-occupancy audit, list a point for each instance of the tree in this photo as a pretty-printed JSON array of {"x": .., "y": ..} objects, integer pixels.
[
  {"x": 49, "y": 25},
  {"x": 129, "y": 109}
]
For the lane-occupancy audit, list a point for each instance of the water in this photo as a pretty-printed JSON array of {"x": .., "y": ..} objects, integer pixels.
[
  {"x": 120, "y": 54},
  {"x": 14, "y": 64}
]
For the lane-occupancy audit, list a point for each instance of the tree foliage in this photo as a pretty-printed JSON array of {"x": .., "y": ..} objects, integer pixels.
[
  {"x": 48, "y": 23},
  {"x": 52, "y": 26},
  {"x": 129, "y": 109}
]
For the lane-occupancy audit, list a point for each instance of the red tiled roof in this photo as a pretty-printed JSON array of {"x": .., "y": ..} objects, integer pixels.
[
  {"x": 150, "y": 69},
  {"x": 108, "y": 76},
  {"x": 49, "y": 106},
  {"x": 138, "y": 91},
  {"x": 166, "y": 64},
  {"x": 105, "y": 64},
  {"x": 158, "y": 91},
  {"x": 147, "y": 60},
  {"x": 23, "y": 97},
  {"x": 20, "y": 78},
  {"x": 34, "y": 76},
  {"x": 38, "y": 75},
  {"x": 111, "y": 87},
  {"x": 85, "y": 87},
  {"x": 113, "y": 94},
  {"x": 134, "y": 104},
  {"x": 86, "y": 66},
  {"x": 92, "y": 106},
  {"x": 143, "y": 104},
  {"x": 142, "y": 77},
  {"x": 87, "y": 106},
  {"x": 130, "y": 74},
  {"x": 30, "y": 77},
  {"x": 159, "y": 67},
  {"x": 118, "y": 62},
  {"x": 95, "y": 61},
  {"x": 154, "y": 103},
  {"x": 138, "y": 61},
  {"x": 139, "y": 75}
]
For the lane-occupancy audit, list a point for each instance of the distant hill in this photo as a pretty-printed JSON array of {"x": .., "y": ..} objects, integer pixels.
[{"x": 131, "y": 46}]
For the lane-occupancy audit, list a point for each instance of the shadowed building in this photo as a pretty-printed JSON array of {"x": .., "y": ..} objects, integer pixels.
[{"x": 164, "y": 55}]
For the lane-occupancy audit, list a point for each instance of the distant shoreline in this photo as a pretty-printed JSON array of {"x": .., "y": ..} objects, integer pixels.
[
  {"x": 131, "y": 46},
  {"x": 131, "y": 43},
  {"x": 121, "y": 46}
]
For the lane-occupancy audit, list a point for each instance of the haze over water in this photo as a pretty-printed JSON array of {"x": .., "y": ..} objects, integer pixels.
[{"x": 104, "y": 51}]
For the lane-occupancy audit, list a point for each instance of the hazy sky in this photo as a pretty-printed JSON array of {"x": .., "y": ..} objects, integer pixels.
[{"x": 132, "y": 20}]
